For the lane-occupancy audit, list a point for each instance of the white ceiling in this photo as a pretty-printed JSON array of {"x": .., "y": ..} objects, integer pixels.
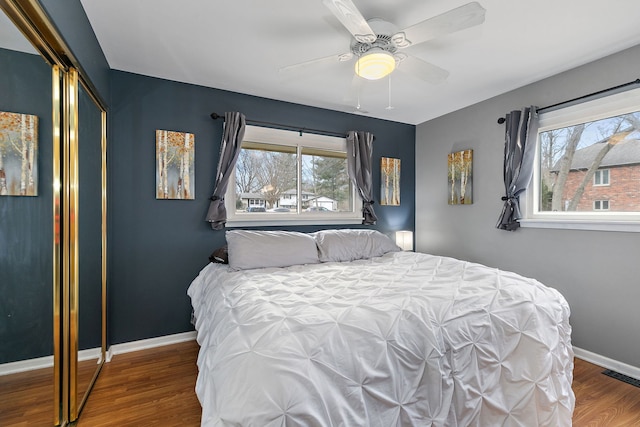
[
  {"x": 11, "y": 38},
  {"x": 240, "y": 45}
]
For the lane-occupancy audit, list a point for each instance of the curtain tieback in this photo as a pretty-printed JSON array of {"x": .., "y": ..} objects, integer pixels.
[
  {"x": 505, "y": 198},
  {"x": 214, "y": 198}
]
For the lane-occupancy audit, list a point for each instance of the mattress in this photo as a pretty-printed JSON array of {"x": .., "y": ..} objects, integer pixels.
[{"x": 405, "y": 339}]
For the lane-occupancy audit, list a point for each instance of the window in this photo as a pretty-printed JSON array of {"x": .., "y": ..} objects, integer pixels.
[
  {"x": 587, "y": 156},
  {"x": 601, "y": 177},
  {"x": 293, "y": 178}
]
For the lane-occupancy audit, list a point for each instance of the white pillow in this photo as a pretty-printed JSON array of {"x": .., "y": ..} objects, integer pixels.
[
  {"x": 349, "y": 245},
  {"x": 258, "y": 249}
]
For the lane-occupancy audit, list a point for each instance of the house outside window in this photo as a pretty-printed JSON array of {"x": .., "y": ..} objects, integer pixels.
[
  {"x": 587, "y": 167},
  {"x": 297, "y": 179}
]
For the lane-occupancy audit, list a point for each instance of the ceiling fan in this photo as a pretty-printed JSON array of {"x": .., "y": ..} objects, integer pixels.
[{"x": 378, "y": 44}]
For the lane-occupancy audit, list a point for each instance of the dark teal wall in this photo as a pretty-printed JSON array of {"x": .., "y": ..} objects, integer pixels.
[
  {"x": 26, "y": 223},
  {"x": 157, "y": 247}
]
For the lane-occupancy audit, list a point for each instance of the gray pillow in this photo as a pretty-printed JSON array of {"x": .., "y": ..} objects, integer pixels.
[
  {"x": 259, "y": 249},
  {"x": 350, "y": 244}
]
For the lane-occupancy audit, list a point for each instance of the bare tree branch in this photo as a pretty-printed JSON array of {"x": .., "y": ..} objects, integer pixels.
[{"x": 575, "y": 133}]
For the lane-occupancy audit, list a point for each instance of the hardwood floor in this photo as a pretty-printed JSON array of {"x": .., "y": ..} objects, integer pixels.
[
  {"x": 146, "y": 388},
  {"x": 26, "y": 398},
  {"x": 602, "y": 400},
  {"x": 156, "y": 387}
]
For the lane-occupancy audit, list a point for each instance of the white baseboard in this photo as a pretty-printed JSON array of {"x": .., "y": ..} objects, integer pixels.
[
  {"x": 605, "y": 362},
  {"x": 26, "y": 365},
  {"x": 90, "y": 353},
  {"x": 94, "y": 353},
  {"x": 44, "y": 362},
  {"x": 128, "y": 347}
]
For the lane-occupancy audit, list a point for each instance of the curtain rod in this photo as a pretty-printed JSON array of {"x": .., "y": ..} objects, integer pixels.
[
  {"x": 501, "y": 120},
  {"x": 216, "y": 116}
]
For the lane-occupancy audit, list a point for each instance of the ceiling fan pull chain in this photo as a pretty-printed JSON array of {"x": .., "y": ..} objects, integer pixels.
[{"x": 389, "y": 107}]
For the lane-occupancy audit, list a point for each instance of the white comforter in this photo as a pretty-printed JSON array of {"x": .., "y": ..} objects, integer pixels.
[{"x": 405, "y": 339}]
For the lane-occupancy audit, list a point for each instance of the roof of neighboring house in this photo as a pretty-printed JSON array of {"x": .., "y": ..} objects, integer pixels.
[
  {"x": 625, "y": 152},
  {"x": 294, "y": 192},
  {"x": 251, "y": 196},
  {"x": 322, "y": 199}
]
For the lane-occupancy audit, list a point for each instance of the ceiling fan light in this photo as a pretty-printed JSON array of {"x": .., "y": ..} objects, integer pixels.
[{"x": 375, "y": 65}]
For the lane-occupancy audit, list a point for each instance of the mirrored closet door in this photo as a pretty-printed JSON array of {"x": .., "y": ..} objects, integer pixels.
[
  {"x": 88, "y": 302},
  {"x": 29, "y": 284},
  {"x": 52, "y": 224}
]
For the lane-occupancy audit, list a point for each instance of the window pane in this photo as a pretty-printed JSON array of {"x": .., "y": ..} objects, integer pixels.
[
  {"x": 325, "y": 183},
  {"x": 263, "y": 177},
  {"x": 598, "y": 160},
  {"x": 292, "y": 178}
]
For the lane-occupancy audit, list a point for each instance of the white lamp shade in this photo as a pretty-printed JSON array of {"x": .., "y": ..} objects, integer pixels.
[
  {"x": 404, "y": 239},
  {"x": 375, "y": 64}
]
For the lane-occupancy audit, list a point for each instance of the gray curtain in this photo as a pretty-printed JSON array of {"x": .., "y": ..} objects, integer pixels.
[
  {"x": 359, "y": 165},
  {"x": 233, "y": 133},
  {"x": 519, "y": 151}
]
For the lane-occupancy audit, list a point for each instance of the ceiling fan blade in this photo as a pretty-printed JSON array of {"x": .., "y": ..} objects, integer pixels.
[
  {"x": 315, "y": 62},
  {"x": 349, "y": 15},
  {"x": 469, "y": 15},
  {"x": 423, "y": 70}
]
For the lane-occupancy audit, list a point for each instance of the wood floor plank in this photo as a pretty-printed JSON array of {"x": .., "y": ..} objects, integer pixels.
[{"x": 155, "y": 387}]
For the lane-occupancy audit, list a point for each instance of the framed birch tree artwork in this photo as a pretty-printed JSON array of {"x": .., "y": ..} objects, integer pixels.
[
  {"x": 18, "y": 154},
  {"x": 390, "y": 181},
  {"x": 460, "y": 177},
  {"x": 175, "y": 152}
]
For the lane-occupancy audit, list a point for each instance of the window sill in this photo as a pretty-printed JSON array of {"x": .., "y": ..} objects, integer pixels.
[
  {"x": 565, "y": 224},
  {"x": 249, "y": 222}
]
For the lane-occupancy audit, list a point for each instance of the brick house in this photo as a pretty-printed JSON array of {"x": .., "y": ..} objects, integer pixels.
[{"x": 615, "y": 186}]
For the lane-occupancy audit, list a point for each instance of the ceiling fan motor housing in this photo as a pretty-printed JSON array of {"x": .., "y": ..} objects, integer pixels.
[{"x": 386, "y": 36}]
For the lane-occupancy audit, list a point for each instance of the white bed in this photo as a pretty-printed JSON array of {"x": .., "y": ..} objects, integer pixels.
[{"x": 402, "y": 339}]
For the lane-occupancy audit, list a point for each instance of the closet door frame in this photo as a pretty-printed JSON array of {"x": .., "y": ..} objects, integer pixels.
[{"x": 71, "y": 285}]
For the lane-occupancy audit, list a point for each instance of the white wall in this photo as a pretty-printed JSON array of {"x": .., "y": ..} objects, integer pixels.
[{"x": 597, "y": 272}]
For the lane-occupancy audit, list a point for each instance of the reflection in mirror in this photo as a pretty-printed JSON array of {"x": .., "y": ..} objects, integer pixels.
[
  {"x": 26, "y": 234},
  {"x": 90, "y": 241}
]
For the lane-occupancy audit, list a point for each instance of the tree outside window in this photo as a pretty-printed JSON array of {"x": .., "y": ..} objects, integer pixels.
[{"x": 577, "y": 164}]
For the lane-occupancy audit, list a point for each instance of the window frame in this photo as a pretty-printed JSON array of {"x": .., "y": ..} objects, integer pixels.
[
  {"x": 604, "y": 107},
  {"x": 597, "y": 205},
  {"x": 600, "y": 173},
  {"x": 300, "y": 140}
]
